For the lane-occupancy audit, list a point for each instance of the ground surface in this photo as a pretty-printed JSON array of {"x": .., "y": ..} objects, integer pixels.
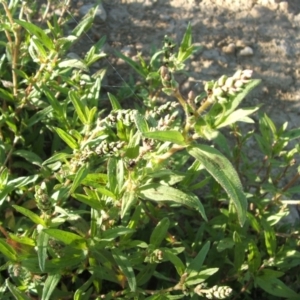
[{"x": 225, "y": 28}]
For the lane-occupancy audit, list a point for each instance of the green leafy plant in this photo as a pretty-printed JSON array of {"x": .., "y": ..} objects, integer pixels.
[{"x": 154, "y": 201}]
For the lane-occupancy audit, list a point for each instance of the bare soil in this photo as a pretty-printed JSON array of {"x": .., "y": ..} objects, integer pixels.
[{"x": 225, "y": 28}]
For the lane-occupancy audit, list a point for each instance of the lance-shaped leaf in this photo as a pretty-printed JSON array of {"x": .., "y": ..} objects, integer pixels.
[
  {"x": 128, "y": 199},
  {"x": 28, "y": 213},
  {"x": 196, "y": 264},
  {"x": 8, "y": 250},
  {"x": 275, "y": 287},
  {"x": 125, "y": 266},
  {"x": 114, "y": 102},
  {"x": 141, "y": 123},
  {"x": 159, "y": 192},
  {"x": 18, "y": 294},
  {"x": 50, "y": 284},
  {"x": 172, "y": 136},
  {"x": 38, "y": 32},
  {"x": 224, "y": 173},
  {"x": 67, "y": 138},
  {"x": 240, "y": 96},
  {"x": 159, "y": 232},
  {"x": 66, "y": 237},
  {"x": 42, "y": 243},
  {"x": 29, "y": 156},
  {"x": 79, "y": 107},
  {"x": 80, "y": 175},
  {"x": 238, "y": 115}
]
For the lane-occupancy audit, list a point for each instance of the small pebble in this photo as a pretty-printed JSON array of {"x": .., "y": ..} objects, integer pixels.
[
  {"x": 229, "y": 49},
  {"x": 241, "y": 44},
  {"x": 247, "y": 51},
  {"x": 128, "y": 50}
]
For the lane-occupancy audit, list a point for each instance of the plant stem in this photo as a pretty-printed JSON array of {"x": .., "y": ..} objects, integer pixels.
[
  {"x": 174, "y": 149},
  {"x": 14, "y": 47},
  {"x": 205, "y": 105}
]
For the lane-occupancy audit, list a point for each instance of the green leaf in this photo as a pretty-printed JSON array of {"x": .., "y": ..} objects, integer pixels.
[
  {"x": 74, "y": 63},
  {"x": 254, "y": 257},
  {"x": 67, "y": 138},
  {"x": 38, "y": 32},
  {"x": 114, "y": 102},
  {"x": 226, "y": 243},
  {"x": 37, "y": 46},
  {"x": 79, "y": 107},
  {"x": 275, "y": 287},
  {"x": 253, "y": 222},
  {"x": 237, "y": 115},
  {"x": 16, "y": 292},
  {"x": 270, "y": 238},
  {"x": 40, "y": 115},
  {"x": 57, "y": 157},
  {"x": 22, "y": 181},
  {"x": 175, "y": 260},
  {"x": 55, "y": 104},
  {"x": 291, "y": 134},
  {"x": 201, "y": 276},
  {"x": 79, "y": 177},
  {"x": 141, "y": 123},
  {"x": 8, "y": 250},
  {"x": 3, "y": 176},
  {"x": 158, "y": 192},
  {"x": 50, "y": 284},
  {"x": 120, "y": 174},
  {"x": 42, "y": 243},
  {"x": 185, "y": 43},
  {"x": 113, "y": 233},
  {"x": 159, "y": 232},
  {"x": 145, "y": 274},
  {"x": 196, "y": 264},
  {"x": 80, "y": 292},
  {"x": 95, "y": 179},
  {"x": 95, "y": 53},
  {"x": 85, "y": 23},
  {"x": 224, "y": 173},
  {"x": 31, "y": 215},
  {"x": 92, "y": 202},
  {"x": 239, "y": 251},
  {"x": 29, "y": 156},
  {"x": 135, "y": 66},
  {"x": 240, "y": 96},
  {"x": 132, "y": 150},
  {"x": 111, "y": 175},
  {"x": 64, "y": 236},
  {"x": 91, "y": 114},
  {"x": 166, "y": 136},
  {"x": 124, "y": 264},
  {"x": 129, "y": 198}
]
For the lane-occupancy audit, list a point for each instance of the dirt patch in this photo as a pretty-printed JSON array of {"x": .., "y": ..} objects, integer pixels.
[{"x": 267, "y": 29}]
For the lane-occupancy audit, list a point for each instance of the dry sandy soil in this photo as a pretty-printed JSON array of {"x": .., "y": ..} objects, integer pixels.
[{"x": 270, "y": 28}]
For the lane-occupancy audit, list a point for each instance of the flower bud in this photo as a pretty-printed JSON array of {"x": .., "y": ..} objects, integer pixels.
[
  {"x": 229, "y": 82},
  {"x": 237, "y": 75},
  {"x": 167, "y": 77},
  {"x": 208, "y": 85},
  {"x": 238, "y": 83},
  {"x": 191, "y": 95},
  {"x": 218, "y": 92},
  {"x": 164, "y": 71},
  {"x": 247, "y": 74},
  {"x": 222, "y": 80}
]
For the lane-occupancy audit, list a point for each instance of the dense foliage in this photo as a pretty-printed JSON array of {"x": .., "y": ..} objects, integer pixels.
[{"x": 161, "y": 200}]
